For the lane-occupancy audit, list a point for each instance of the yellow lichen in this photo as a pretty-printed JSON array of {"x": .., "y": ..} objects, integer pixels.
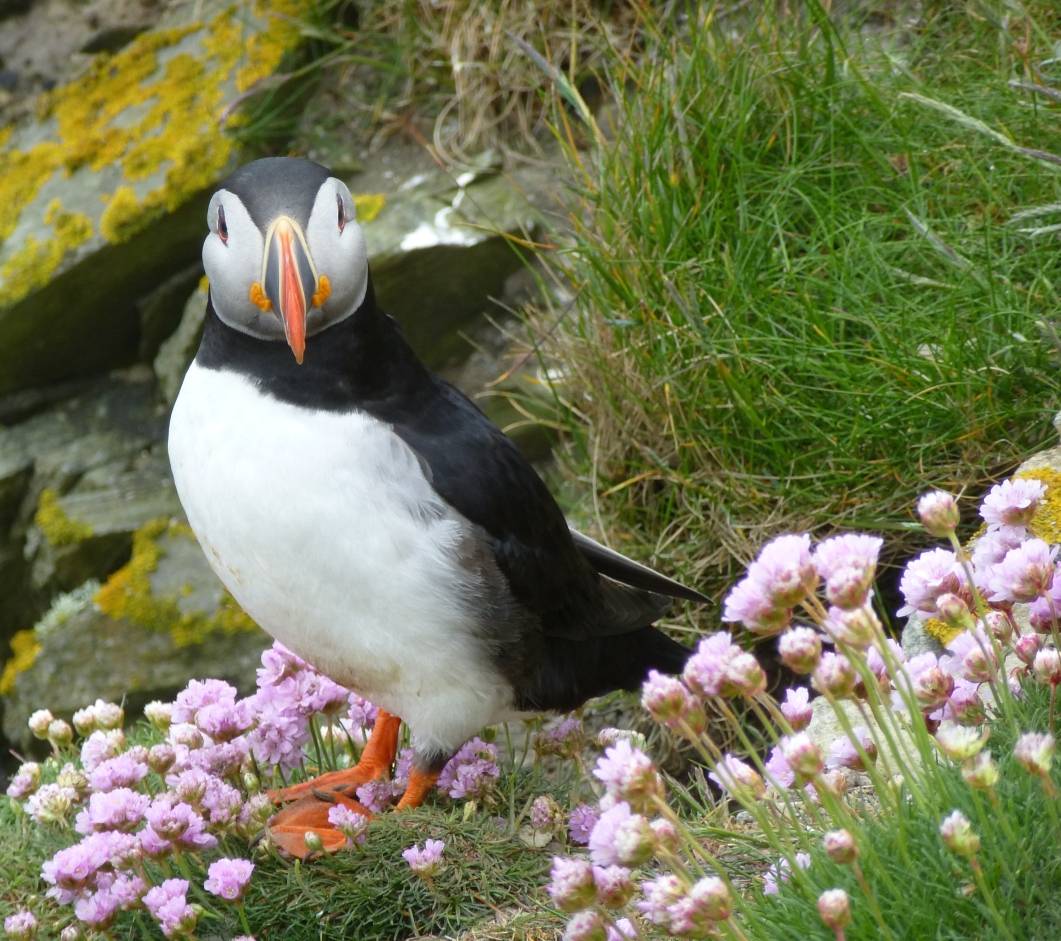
[
  {"x": 32, "y": 266},
  {"x": 58, "y": 528},
  {"x": 369, "y": 205},
  {"x": 127, "y": 594},
  {"x": 24, "y": 651},
  {"x": 1046, "y": 523},
  {"x": 147, "y": 109}
]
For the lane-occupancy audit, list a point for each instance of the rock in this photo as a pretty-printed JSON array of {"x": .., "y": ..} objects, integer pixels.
[
  {"x": 916, "y": 640},
  {"x": 178, "y": 350},
  {"x": 102, "y": 193},
  {"x": 159, "y": 621}
]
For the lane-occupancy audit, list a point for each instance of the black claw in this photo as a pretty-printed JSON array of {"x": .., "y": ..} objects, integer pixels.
[{"x": 323, "y": 796}]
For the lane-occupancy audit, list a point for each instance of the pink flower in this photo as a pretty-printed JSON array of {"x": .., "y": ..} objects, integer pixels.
[
  {"x": 169, "y": 905},
  {"x": 120, "y": 809},
  {"x": 797, "y": 708},
  {"x": 471, "y": 772},
  {"x": 629, "y": 775},
  {"x": 781, "y": 871},
  {"x": 581, "y": 822},
  {"x": 1034, "y": 752},
  {"x": 658, "y": 895},
  {"x": 97, "y": 908},
  {"x": 991, "y": 548},
  {"x": 100, "y": 746},
  {"x": 972, "y": 656},
  {"x": 1012, "y": 502},
  {"x": 938, "y": 512},
  {"x": 125, "y": 770},
  {"x": 933, "y": 573},
  {"x": 613, "y": 884},
  {"x": 848, "y": 564},
  {"x": 621, "y": 838},
  {"x": 1025, "y": 574},
  {"x": 666, "y": 699},
  {"x": 348, "y": 822},
  {"x": 844, "y": 754},
  {"x": 377, "y": 795},
  {"x": 21, "y": 926},
  {"x": 750, "y": 603},
  {"x": 784, "y": 570},
  {"x": 228, "y": 878},
  {"x": 705, "y": 670},
  {"x": 424, "y": 862},
  {"x": 778, "y": 769},
  {"x": 197, "y": 695},
  {"x": 737, "y": 778},
  {"x": 707, "y": 902},
  {"x": 802, "y": 755},
  {"x": 800, "y": 649},
  {"x": 571, "y": 884},
  {"x": 834, "y": 676}
]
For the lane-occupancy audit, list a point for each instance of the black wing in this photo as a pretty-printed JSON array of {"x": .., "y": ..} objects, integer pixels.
[{"x": 478, "y": 471}]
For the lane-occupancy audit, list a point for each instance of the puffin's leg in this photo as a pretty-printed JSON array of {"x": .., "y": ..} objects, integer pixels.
[
  {"x": 288, "y": 829},
  {"x": 375, "y": 762},
  {"x": 422, "y": 778}
]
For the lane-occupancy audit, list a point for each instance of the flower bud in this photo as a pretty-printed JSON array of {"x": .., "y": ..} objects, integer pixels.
[
  {"x": 159, "y": 714},
  {"x": 187, "y": 735},
  {"x": 958, "y": 835},
  {"x": 571, "y": 885},
  {"x": 39, "y": 721},
  {"x": 840, "y": 846},
  {"x": 800, "y": 649},
  {"x": 251, "y": 783},
  {"x": 85, "y": 721},
  {"x": 998, "y": 625},
  {"x": 585, "y": 926},
  {"x": 635, "y": 842},
  {"x": 1035, "y": 752},
  {"x": 938, "y": 512},
  {"x": 797, "y": 709},
  {"x": 314, "y": 843},
  {"x": 613, "y": 884},
  {"x": 109, "y": 715},
  {"x": 847, "y": 587},
  {"x": 72, "y": 933},
  {"x": 834, "y": 908},
  {"x": 834, "y": 676},
  {"x": 60, "y": 733},
  {"x": 665, "y": 834},
  {"x": 857, "y": 627},
  {"x": 802, "y": 755},
  {"x": 744, "y": 676},
  {"x": 960, "y": 742},
  {"x": 711, "y": 897},
  {"x": 1047, "y": 666},
  {"x": 666, "y": 699},
  {"x": 1027, "y": 647},
  {"x": 980, "y": 771},
  {"x": 160, "y": 758},
  {"x": 932, "y": 686},
  {"x": 954, "y": 612},
  {"x": 835, "y": 782}
]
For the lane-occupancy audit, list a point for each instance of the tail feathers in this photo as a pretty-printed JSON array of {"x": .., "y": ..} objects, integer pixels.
[{"x": 570, "y": 672}]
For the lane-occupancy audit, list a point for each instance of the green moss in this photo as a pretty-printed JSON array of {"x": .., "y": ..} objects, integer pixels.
[
  {"x": 127, "y": 594},
  {"x": 58, "y": 528},
  {"x": 24, "y": 650}
]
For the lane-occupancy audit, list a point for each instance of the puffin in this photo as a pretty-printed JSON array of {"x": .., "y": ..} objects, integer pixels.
[{"x": 370, "y": 517}]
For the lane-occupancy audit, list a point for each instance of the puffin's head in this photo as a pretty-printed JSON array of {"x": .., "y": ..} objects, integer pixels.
[{"x": 285, "y": 256}]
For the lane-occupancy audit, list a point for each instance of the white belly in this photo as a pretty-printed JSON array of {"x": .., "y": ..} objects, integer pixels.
[{"x": 326, "y": 532}]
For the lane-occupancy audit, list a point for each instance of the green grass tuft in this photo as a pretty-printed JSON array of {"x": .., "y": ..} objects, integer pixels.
[{"x": 800, "y": 297}]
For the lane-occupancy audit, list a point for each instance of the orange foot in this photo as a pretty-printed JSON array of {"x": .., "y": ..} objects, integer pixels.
[{"x": 290, "y": 828}]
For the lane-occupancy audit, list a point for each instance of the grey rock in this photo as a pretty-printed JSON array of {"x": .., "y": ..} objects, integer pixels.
[
  {"x": 178, "y": 350},
  {"x": 916, "y": 640}
]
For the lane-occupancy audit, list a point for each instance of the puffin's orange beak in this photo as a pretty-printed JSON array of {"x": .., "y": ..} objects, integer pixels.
[{"x": 290, "y": 280}]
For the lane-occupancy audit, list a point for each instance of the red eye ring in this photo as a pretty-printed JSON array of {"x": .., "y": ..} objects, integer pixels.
[
  {"x": 342, "y": 212},
  {"x": 222, "y": 227}
]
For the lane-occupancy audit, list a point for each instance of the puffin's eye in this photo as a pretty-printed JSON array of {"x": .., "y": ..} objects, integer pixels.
[
  {"x": 342, "y": 212},
  {"x": 222, "y": 228}
]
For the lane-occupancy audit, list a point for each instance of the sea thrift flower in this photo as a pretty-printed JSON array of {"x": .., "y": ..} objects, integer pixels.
[
  {"x": 707, "y": 902},
  {"x": 931, "y": 685},
  {"x": 564, "y": 737},
  {"x": 21, "y": 926},
  {"x": 471, "y": 772},
  {"x": 972, "y": 656},
  {"x": 800, "y": 649},
  {"x": 980, "y": 771},
  {"x": 621, "y": 838},
  {"x": 424, "y": 862},
  {"x": 585, "y": 926},
  {"x": 348, "y": 822},
  {"x": 739, "y": 779},
  {"x": 228, "y": 878},
  {"x": 25, "y": 781},
  {"x": 100, "y": 746},
  {"x": 954, "y": 612},
  {"x": 657, "y": 897},
  {"x": 629, "y": 775},
  {"x": 571, "y": 885},
  {"x": 160, "y": 758},
  {"x": 744, "y": 677},
  {"x": 1035, "y": 753},
  {"x": 750, "y": 603},
  {"x": 835, "y": 909},
  {"x": 847, "y": 563},
  {"x": 960, "y": 742},
  {"x": 666, "y": 699},
  {"x": 120, "y": 809},
  {"x": 802, "y": 755},
  {"x": 125, "y": 770},
  {"x": 545, "y": 814},
  {"x": 59, "y": 733},
  {"x": 169, "y": 905},
  {"x": 109, "y": 715},
  {"x": 958, "y": 835},
  {"x": 1024, "y": 574},
  {"x": 39, "y": 722},
  {"x": 85, "y": 720},
  {"x": 933, "y": 573},
  {"x": 581, "y": 822},
  {"x": 71, "y": 933},
  {"x": 51, "y": 803},
  {"x": 705, "y": 670},
  {"x": 778, "y": 770},
  {"x": 613, "y": 884},
  {"x": 1027, "y": 647},
  {"x": 622, "y": 930},
  {"x": 1012, "y": 502},
  {"x": 377, "y": 795},
  {"x": 1047, "y": 666},
  {"x": 664, "y": 833},
  {"x": 840, "y": 846},
  {"x": 785, "y": 570},
  {"x": 938, "y": 512},
  {"x": 781, "y": 872},
  {"x": 856, "y": 627},
  {"x": 796, "y": 708},
  {"x": 834, "y": 676},
  {"x": 844, "y": 754},
  {"x": 159, "y": 714}
]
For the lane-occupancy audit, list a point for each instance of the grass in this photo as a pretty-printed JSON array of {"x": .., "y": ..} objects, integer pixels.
[{"x": 801, "y": 293}]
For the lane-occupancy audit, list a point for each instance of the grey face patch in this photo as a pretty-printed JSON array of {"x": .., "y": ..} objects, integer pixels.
[{"x": 275, "y": 186}]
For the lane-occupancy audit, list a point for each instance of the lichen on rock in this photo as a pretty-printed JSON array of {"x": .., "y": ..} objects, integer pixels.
[
  {"x": 58, "y": 528},
  {"x": 131, "y": 594}
]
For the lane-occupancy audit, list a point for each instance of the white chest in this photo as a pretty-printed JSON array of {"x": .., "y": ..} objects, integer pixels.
[{"x": 324, "y": 528}]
